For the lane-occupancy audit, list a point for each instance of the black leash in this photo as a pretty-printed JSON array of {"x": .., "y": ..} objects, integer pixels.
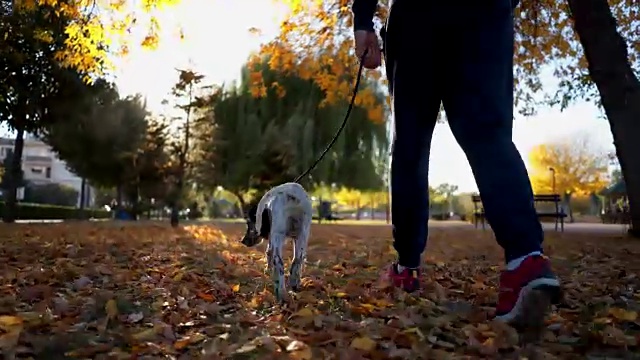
[{"x": 344, "y": 122}]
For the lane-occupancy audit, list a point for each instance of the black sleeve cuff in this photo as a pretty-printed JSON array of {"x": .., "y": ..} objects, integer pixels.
[{"x": 363, "y": 11}]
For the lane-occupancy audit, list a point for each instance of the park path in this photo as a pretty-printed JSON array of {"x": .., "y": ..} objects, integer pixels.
[{"x": 581, "y": 228}]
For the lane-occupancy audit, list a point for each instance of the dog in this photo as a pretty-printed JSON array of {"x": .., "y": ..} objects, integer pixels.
[{"x": 284, "y": 211}]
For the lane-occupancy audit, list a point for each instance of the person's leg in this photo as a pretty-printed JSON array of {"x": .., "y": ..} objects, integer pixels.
[
  {"x": 416, "y": 103},
  {"x": 478, "y": 100},
  {"x": 415, "y": 114}
]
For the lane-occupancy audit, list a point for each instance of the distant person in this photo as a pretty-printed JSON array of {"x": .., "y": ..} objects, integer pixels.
[{"x": 459, "y": 54}]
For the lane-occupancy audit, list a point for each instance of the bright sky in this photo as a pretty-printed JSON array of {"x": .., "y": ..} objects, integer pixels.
[{"x": 218, "y": 43}]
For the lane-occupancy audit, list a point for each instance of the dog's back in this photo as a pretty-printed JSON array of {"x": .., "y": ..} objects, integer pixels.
[{"x": 293, "y": 201}]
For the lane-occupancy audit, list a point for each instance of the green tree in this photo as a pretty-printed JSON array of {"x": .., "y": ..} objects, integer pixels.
[
  {"x": 248, "y": 143},
  {"x": 32, "y": 80},
  {"x": 52, "y": 194},
  {"x": 184, "y": 93},
  {"x": 104, "y": 138}
]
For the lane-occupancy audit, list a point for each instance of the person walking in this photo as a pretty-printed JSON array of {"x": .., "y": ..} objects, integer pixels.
[{"x": 460, "y": 54}]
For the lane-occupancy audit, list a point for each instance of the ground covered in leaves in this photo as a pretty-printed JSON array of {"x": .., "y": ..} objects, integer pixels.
[{"x": 146, "y": 291}]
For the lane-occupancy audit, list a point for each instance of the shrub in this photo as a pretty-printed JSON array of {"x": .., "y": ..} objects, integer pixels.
[
  {"x": 28, "y": 211},
  {"x": 51, "y": 194}
]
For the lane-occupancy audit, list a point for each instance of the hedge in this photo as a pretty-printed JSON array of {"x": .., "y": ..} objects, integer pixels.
[{"x": 29, "y": 211}]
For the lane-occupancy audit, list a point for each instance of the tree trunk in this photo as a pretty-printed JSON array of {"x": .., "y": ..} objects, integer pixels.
[
  {"x": 619, "y": 88},
  {"x": 174, "y": 219},
  {"x": 119, "y": 196},
  {"x": 10, "y": 208},
  {"x": 83, "y": 195}
]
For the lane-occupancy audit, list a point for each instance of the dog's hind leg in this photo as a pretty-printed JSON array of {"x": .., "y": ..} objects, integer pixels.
[
  {"x": 276, "y": 243},
  {"x": 300, "y": 242}
]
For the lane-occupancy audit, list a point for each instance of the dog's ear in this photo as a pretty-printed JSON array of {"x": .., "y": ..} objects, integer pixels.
[{"x": 265, "y": 228}]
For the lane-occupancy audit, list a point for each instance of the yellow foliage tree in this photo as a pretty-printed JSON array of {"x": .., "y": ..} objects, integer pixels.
[
  {"x": 349, "y": 197},
  {"x": 96, "y": 28},
  {"x": 578, "y": 167},
  {"x": 313, "y": 45}
]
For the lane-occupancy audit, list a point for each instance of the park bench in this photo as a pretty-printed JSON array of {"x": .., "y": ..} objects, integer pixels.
[{"x": 557, "y": 213}]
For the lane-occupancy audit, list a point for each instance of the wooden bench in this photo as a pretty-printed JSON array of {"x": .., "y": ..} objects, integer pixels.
[{"x": 557, "y": 213}]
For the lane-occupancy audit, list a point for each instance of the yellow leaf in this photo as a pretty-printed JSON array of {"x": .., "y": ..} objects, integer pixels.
[
  {"x": 368, "y": 307},
  {"x": 178, "y": 276},
  {"x": 341, "y": 295},
  {"x": 181, "y": 344},
  {"x": 416, "y": 331},
  {"x": 624, "y": 315},
  {"x": 363, "y": 343},
  {"x": 382, "y": 303},
  {"x": 111, "y": 307},
  {"x": 304, "y": 312},
  {"x": 235, "y": 288},
  {"x": 145, "y": 335},
  {"x": 602, "y": 320},
  {"x": 8, "y": 322}
]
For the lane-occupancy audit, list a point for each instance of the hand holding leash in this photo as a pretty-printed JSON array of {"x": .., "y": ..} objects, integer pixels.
[{"x": 368, "y": 49}]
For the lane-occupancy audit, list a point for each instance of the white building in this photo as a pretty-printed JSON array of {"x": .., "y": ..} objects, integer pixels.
[{"x": 41, "y": 165}]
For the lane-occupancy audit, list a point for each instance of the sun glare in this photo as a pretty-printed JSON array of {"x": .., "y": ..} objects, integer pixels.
[{"x": 212, "y": 37}]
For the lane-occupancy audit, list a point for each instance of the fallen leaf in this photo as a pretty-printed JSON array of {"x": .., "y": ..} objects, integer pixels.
[
  {"x": 304, "y": 312},
  {"x": 205, "y": 297},
  {"x": 145, "y": 335},
  {"x": 363, "y": 343},
  {"x": 111, "y": 307},
  {"x": 10, "y": 323},
  {"x": 624, "y": 315},
  {"x": 174, "y": 290}
]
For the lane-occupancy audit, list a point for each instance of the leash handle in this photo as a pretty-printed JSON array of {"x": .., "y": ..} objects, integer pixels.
[{"x": 342, "y": 126}]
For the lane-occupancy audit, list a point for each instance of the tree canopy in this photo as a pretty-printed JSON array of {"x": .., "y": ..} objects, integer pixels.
[
  {"x": 573, "y": 166},
  {"x": 545, "y": 40},
  {"x": 245, "y": 141}
]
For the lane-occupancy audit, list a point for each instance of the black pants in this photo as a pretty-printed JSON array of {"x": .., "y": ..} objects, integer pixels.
[{"x": 460, "y": 55}]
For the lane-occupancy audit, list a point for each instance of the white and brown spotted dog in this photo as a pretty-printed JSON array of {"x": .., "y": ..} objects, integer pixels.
[{"x": 284, "y": 211}]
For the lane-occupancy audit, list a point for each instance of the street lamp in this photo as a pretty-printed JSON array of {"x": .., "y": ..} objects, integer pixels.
[{"x": 553, "y": 178}]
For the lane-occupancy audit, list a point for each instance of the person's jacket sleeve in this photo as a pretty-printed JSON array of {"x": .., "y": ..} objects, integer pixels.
[{"x": 363, "y": 11}]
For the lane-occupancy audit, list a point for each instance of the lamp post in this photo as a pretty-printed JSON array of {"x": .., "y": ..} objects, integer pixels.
[{"x": 553, "y": 179}]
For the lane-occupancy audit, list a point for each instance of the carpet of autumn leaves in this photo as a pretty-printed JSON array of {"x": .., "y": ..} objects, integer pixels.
[{"x": 147, "y": 291}]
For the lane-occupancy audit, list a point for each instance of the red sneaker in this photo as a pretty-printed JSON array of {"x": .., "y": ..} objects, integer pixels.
[
  {"x": 407, "y": 279},
  {"x": 526, "y": 293}
]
